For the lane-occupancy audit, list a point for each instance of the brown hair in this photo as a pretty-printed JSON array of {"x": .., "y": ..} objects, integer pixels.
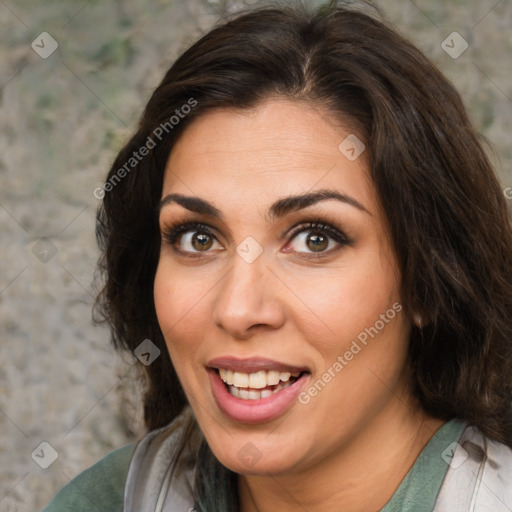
[{"x": 446, "y": 211}]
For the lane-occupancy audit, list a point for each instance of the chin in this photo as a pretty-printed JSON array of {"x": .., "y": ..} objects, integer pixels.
[
  {"x": 257, "y": 463},
  {"x": 256, "y": 454}
]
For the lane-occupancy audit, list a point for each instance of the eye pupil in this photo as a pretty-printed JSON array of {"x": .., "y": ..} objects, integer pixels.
[
  {"x": 319, "y": 242},
  {"x": 201, "y": 241}
]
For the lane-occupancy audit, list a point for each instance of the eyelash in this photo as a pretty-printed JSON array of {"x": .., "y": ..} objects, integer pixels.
[{"x": 171, "y": 234}]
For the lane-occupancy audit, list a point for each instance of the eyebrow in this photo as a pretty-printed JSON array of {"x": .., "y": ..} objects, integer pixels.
[{"x": 279, "y": 208}]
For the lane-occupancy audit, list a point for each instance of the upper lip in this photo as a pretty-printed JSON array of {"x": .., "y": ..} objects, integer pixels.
[{"x": 253, "y": 365}]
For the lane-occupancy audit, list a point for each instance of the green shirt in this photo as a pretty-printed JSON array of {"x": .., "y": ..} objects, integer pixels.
[
  {"x": 419, "y": 489},
  {"x": 101, "y": 487}
]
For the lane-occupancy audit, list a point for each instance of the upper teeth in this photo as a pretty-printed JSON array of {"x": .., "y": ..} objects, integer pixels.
[{"x": 258, "y": 380}]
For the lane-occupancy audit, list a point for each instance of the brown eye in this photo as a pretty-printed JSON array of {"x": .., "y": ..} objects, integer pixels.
[
  {"x": 316, "y": 239},
  {"x": 312, "y": 241},
  {"x": 317, "y": 242},
  {"x": 201, "y": 241},
  {"x": 191, "y": 238}
]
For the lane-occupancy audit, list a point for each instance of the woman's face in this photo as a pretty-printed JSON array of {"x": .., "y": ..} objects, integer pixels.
[{"x": 279, "y": 294}]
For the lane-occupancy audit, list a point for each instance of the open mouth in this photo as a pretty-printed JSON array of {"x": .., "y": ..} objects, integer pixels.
[
  {"x": 257, "y": 385},
  {"x": 257, "y": 389}
]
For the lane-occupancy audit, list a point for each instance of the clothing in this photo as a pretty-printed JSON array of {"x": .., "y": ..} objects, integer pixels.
[
  {"x": 419, "y": 488},
  {"x": 97, "y": 489},
  {"x": 479, "y": 478},
  {"x": 416, "y": 493},
  {"x": 480, "y": 483}
]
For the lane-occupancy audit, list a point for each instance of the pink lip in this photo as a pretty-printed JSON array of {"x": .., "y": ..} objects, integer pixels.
[
  {"x": 254, "y": 411},
  {"x": 253, "y": 364}
]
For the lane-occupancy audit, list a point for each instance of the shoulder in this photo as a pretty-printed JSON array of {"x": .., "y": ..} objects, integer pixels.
[
  {"x": 101, "y": 487},
  {"x": 162, "y": 469},
  {"x": 479, "y": 476}
]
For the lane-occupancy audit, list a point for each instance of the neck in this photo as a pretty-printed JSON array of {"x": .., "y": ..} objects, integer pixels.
[{"x": 362, "y": 475}]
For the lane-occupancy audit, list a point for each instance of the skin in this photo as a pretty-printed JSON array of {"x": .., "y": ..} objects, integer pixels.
[{"x": 354, "y": 442}]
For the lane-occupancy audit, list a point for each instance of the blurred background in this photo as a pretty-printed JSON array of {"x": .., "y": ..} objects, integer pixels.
[{"x": 74, "y": 77}]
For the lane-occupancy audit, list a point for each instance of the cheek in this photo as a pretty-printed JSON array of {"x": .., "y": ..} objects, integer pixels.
[
  {"x": 347, "y": 302},
  {"x": 182, "y": 308},
  {"x": 359, "y": 371}
]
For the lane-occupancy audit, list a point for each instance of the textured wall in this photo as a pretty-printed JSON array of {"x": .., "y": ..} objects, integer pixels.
[{"x": 62, "y": 118}]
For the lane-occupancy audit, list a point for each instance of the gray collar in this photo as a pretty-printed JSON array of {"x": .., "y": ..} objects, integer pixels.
[{"x": 154, "y": 482}]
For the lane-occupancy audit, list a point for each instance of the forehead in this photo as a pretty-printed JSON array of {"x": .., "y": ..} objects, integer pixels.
[{"x": 281, "y": 147}]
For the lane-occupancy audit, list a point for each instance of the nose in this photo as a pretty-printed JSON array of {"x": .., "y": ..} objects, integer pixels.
[{"x": 248, "y": 299}]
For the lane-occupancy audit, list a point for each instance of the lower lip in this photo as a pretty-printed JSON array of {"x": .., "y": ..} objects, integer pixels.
[{"x": 254, "y": 411}]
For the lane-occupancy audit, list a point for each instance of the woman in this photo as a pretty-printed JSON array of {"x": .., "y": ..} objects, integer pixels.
[{"x": 308, "y": 249}]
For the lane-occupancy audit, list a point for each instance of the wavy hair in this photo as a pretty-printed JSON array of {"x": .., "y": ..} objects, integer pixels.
[{"x": 446, "y": 212}]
